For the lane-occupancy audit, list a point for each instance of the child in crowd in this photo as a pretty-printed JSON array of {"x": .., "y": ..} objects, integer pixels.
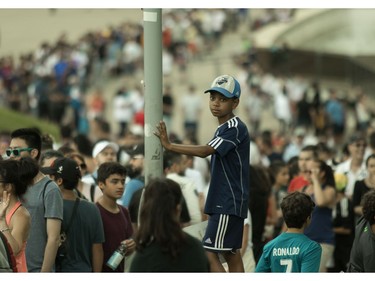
[
  {"x": 292, "y": 251},
  {"x": 116, "y": 219},
  {"x": 228, "y": 194}
]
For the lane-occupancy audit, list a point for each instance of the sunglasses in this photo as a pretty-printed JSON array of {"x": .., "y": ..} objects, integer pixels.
[{"x": 17, "y": 151}]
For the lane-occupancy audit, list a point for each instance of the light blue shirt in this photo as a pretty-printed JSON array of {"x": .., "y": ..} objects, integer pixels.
[
  {"x": 130, "y": 188},
  {"x": 290, "y": 252}
]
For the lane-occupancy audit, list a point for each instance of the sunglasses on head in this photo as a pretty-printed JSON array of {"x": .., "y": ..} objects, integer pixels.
[{"x": 17, "y": 151}]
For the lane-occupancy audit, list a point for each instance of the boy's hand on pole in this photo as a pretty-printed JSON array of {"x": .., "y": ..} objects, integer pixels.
[{"x": 162, "y": 134}]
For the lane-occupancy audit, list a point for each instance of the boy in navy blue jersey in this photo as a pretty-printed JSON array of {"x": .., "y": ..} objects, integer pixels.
[{"x": 227, "y": 198}]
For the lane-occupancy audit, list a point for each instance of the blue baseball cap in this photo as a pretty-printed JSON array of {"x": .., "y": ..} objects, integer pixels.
[{"x": 226, "y": 85}]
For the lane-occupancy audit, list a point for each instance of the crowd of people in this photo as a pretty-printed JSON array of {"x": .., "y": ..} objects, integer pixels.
[
  {"x": 64, "y": 82},
  {"x": 108, "y": 182}
]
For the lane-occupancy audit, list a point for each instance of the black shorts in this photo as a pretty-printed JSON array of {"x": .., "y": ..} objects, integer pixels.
[{"x": 223, "y": 233}]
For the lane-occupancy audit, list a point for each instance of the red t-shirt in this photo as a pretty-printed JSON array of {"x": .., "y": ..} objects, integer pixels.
[
  {"x": 139, "y": 118},
  {"x": 297, "y": 183}
]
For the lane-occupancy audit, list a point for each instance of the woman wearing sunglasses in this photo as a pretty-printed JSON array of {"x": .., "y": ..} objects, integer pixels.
[{"x": 15, "y": 220}]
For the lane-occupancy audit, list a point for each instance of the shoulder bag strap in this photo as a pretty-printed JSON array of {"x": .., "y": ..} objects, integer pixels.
[
  {"x": 92, "y": 188},
  {"x": 44, "y": 192},
  {"x": 73, "y": 215}
]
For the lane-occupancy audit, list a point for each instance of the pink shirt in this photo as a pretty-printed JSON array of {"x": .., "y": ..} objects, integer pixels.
[{"x": 21, "y": 257}]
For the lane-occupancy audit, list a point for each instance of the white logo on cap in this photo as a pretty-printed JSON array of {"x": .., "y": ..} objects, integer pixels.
[
  {"x": 60, "y": 170},
  {"x": 222, "y": 80}
]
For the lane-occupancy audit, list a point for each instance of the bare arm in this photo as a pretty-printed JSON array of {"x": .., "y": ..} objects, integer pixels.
[
  {"x": 326, "y": 197},
  {"x": 97, "y": 257},
  {"x": 358, "y": 210},
  {"x": 53, "y": 241},
  {"x": 272, "y": 211},
  {"x": 20, "y": 224},
  {"x": 194, "y": 150},
  {"x": 342, "y": 230},
  {"x": 18, "y": 229}
]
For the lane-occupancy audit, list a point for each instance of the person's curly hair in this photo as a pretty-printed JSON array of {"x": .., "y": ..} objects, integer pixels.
[
  {"x": 369, "y": 206},
  {"x": 296, "y": 208}
]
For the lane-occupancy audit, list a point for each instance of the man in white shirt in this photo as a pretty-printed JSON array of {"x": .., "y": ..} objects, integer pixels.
[
  {"x": 174, "y": 169},
  {"x": 103, "y": 151},
  {"x": 354, "y": 168}
]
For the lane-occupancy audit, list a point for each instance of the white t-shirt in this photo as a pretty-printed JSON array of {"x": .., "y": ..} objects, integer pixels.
[{"x": 190, "y": 193}]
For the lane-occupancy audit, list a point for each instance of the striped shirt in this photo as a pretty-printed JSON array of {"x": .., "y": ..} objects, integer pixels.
[{"x": 229, "y": 187}]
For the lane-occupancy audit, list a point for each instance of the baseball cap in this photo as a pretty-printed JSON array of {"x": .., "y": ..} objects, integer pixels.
[
  {"x": 66, "y": 168},
  {"x": 101, "y": 145},
  {"x": 227, "y": 86},
  {"x": 299, "y": 132},
  {"x": 136, "y": 130},
  {"x": 137, "y": 150}
]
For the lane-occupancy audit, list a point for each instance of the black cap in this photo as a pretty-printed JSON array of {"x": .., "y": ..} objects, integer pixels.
[
  {"x": 66, "y": 168},
  {"x": 137, "y": 150}
]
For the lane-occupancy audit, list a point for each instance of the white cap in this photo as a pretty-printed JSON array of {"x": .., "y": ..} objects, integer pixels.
[
  {"x": 299, "y": 132},
  {"x": 136, "y": 130},
  {"x": 227, "y": 86},
  {"x": 101, "y": 145}
]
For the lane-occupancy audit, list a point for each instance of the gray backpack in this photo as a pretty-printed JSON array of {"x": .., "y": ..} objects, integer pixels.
[{"x": 7, "y": 259}]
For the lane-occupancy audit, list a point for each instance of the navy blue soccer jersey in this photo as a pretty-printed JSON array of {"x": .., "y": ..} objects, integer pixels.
[{"x": 229, "y": 186}]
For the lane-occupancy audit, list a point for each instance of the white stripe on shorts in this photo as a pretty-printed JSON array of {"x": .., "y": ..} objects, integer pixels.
[{"x": 221, "y": 230}]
